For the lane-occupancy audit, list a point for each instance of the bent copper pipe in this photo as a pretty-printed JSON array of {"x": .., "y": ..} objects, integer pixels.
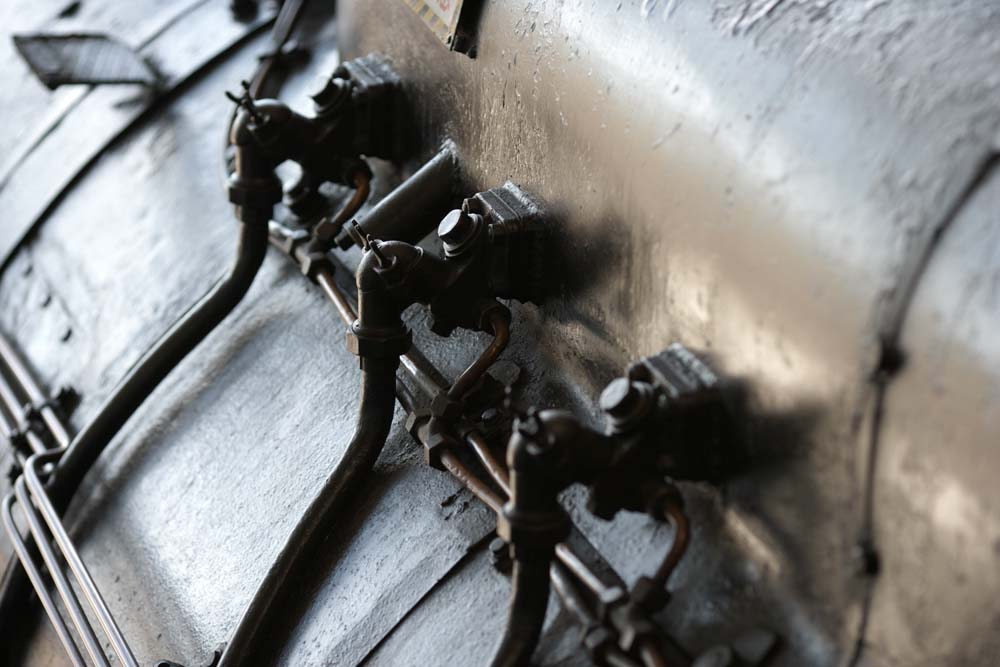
[
  {"x": 490, "y": 463},
  {"x": 471, "y": 375},
  {"x": 674, "y": 514},
  {"x": 326, "y": 230}
]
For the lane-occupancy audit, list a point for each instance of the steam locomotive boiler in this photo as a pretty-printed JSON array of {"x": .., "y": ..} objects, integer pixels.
[{"x": 524, "y": 332}]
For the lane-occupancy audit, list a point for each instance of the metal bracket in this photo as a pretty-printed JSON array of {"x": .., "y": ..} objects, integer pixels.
[{"x": 84, "y": 58}]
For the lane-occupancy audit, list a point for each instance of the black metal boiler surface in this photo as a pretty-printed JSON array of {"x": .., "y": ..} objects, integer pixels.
[{"x": 466, "y": 332}]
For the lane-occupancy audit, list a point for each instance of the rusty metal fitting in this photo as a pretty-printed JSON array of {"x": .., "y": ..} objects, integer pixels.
[
  {"x": 445, "y": 407},
  {"x": 460, "y": 232},
  {"x": 437, "y": 437},
  {"x": 598, "y": 640},
  {"x": 378, "y": 346},
  {"x": 532, "y": 530},
  {"x": 650, "y": 594},
  {"x": 626, "y": 403}
]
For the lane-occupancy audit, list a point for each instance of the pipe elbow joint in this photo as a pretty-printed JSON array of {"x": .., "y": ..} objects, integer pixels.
[{"x": 253, "y": 187}]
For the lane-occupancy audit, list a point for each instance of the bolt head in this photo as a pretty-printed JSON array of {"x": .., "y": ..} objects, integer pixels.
[
  {"x": 330, "y": 95},
  {"x": 619, "y": 397},
  {"x": 456, "y": 229}
]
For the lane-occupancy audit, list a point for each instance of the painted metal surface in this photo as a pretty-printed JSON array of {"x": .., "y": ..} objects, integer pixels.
[
  {"x": 758, "y": 180},
  {"x": 755, "y": 179},
  {"x": 937, "y": 509}
]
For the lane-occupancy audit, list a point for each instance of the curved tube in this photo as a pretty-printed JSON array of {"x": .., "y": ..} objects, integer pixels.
[
  {"x": 471, "y": 375},
  {"x": 147, "y": 374},
  {"x": 682, "y": 531},
  {"x": 326, "y": 230},
  {"x": 470, "y": 481},
  {"x": 496, "y": 470},
  {"x": 528, "y": 603},
  {"x": 378, "y": 400}
]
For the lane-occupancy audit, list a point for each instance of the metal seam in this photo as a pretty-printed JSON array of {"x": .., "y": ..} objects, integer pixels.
[
  {"x": 161, "y": 101},
  {"x": 888, "y": 363}
]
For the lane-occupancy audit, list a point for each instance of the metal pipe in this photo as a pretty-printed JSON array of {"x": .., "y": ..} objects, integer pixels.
[
  {"x": 526, "y": 616},
  {"x": 413, "y": 362},
  {"x": 677, "y": 517},
  {"x": 414, "y": 208},
  {"x": 577, "y": 605},
  {"x": 83, "y": 578},
  {"x": 471, "y": 375},
  {"x": 66, "y": 592},
  {"x": 326, "y": 280},
  {"x": 423, "y": 372},
  {"x": 569, "y": 558},
  {"x": 374, "y": 422},
  {"x": 478, "y": 488},
  {"x": 35, "y": 576},
  {"x": 490, "y": 463},
  {"x": 326, "y": 229},
  {"x": 163, "y": 357}
]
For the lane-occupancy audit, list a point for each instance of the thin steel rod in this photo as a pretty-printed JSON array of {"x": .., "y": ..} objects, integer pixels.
[
  {"x": 66, "y": 592},
  {"x": 35, "y": 576},
  {"x": 478, "y": 488},
  {"x": 326, "y": 280},
  {"x": 9, "y": 400},
  {"x": 34, "y": 391},
  {"x": 575, "y": 564},
  {"x": 74, "y": 561},
  {"x": 490, "y": 462}
]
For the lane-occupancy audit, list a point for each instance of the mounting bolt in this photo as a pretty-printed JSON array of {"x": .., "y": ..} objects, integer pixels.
[
  {"x": 331, "y": 96},
  {"x": 457, "y": 230},
  {"x": 619, "y": 398},
  {"x": 500, "y": 556},
  {"x": 625, "y": 402}
]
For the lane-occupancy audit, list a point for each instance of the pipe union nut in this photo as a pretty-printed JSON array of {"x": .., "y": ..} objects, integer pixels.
[
  {"x": 369, "y": 346},
  {"x": 260, "y": 193},
  {"x": 532, "y": 529}
]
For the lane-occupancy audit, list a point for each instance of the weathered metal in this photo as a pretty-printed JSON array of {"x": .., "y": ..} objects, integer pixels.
[{"x": 793, "y": 190}]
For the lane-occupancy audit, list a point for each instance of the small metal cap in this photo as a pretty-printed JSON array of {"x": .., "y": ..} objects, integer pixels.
[
  {"x": 457, "y": 229},
  {"x": 331, "y": 95},
  {"x": 619, "y": 398}
]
